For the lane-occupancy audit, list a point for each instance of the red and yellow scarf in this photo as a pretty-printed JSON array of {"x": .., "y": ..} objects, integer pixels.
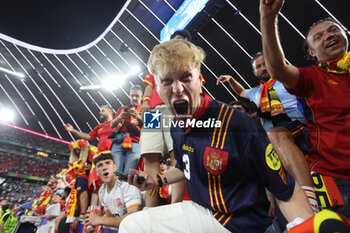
[
  {"x": 269, "y": 101},
  {"x": 127, "y": 141},
  {"x": 337, "y": 66},
  {"x": 271, "y": 107}
]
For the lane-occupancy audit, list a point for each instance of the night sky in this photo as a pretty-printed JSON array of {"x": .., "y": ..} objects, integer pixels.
[{"x": 59, "y": 24}]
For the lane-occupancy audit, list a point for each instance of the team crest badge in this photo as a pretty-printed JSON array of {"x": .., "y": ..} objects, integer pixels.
[
  {"x": 215, "y": 161},
  {"x": 119, "y": 202}
]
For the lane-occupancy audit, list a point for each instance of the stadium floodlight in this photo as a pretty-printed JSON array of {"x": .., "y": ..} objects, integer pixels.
[
  {"x": 112, "y": 83},
  {"x": 91, "y": 87},
  {"x": 6, "y": 115},
  {"x": 7, "y": 71},
  {"x": 134, "y": 70}
]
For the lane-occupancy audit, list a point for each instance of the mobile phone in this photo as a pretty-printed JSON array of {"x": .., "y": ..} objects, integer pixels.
[{"x": 140, "y": 179}]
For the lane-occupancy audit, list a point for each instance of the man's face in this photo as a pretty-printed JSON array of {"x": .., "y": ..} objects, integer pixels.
[
  {"x": 105, "y": 169},
  {"x": 259, "y": 69},
  {"x": 163, "y": 167},
  {"x": 180, "y": 90},
  {"x": 327, "y": 41},
  {"x": 135, "y": 97},
  {"x": 104, "y": 114}
]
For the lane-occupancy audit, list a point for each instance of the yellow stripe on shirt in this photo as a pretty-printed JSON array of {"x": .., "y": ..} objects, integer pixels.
[
  {"x": 222, "y": 125},
  {"x": 225, "y": 132},
  {"x": 214, "y": 134}
]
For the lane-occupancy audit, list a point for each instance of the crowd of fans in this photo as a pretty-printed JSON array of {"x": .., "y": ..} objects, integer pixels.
[
  {"x": 32, "y": 141},
  {"x": 31, "y": 166},
  {"x": 16, "y": 190}
]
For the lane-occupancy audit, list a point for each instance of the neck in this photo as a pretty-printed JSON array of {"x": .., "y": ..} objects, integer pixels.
[
  {"x": 198, "y": 105},
  {"x": 333, "y": 58},
  {"x": 111, "y": 184},
  {"x": 108, "y": 119}
]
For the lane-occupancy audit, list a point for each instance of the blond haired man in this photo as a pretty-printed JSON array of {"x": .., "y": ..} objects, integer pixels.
[{"x": 224, "y": 156}]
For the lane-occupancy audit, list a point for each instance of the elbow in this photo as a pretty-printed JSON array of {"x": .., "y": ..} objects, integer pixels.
[{"x": 242, "y": 94}]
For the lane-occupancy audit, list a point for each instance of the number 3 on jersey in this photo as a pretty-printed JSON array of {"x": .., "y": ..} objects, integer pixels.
[{"x": 186, "y": 165}]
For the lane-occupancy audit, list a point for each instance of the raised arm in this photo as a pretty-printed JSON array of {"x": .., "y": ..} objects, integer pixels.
[
  {"x": 77, "y": 133},
  {"x": 273, "y": 53},
  {"x": 236, "y": 86}
]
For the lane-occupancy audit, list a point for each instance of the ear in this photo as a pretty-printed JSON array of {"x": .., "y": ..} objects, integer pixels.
[
  {"x": 311, "y": 52},
  {"x": 254, "y": 72}
]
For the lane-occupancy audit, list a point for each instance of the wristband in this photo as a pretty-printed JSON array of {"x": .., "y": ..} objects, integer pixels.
[
  {"x": 295, "y": 222},
  {"x": 146, "y": 98}
]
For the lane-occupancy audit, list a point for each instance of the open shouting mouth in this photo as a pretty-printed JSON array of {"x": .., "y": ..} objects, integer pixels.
[
  {"x": 105, "y": 174},
  {"x": 180, "y": 107}
]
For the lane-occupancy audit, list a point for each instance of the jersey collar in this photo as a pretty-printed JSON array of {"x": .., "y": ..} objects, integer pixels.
[{"x": 202, "y": 108}]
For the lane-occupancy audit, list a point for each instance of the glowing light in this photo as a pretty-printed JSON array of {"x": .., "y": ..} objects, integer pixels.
[
  {"x": 35, "y": 133},
  {"x": 134, "y": 70},
  {"x": 6, "y": 115},
  {"x": 20, "y": 75},
  {"x": 112, "y": 83},
  {"x": 91, "y": 87}
]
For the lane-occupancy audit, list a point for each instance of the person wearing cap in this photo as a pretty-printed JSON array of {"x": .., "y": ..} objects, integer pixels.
[{"x": 80, "y": 150}]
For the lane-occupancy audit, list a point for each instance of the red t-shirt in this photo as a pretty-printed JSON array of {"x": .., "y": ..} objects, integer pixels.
[
  {"x": 124, "y": 129},
  {"x": 102, "y": 132},
  {"x": 155, "y": 99},
  {"x": 327, "y": 115}
]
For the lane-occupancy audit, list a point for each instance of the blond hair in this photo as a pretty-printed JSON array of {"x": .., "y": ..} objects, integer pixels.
[
  {"x": 173, "y": 55},
  {"x": 83, "y": 156}
]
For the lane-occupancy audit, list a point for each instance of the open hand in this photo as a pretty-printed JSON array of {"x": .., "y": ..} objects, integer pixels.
[
  {"x": 223, "y": 79},
  {"x": 68, "y": 127}
]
